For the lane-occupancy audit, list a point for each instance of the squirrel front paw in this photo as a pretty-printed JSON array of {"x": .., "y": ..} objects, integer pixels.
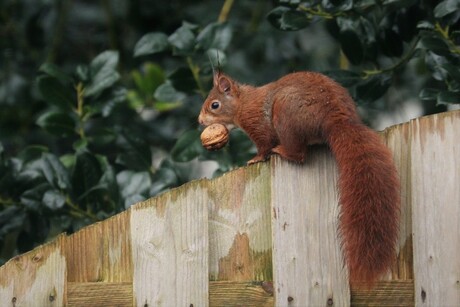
[{"x": 257, "y": 159}]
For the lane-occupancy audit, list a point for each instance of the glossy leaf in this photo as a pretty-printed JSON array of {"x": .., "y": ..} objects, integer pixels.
[
  {"x": 151, "y": 43},
  {"x": 446, "y": 7},
  {"x": 167, "y": 93},
  {"x": 165, "y": 177},
  {"x": 373, "y": 88},
  {"x": 53, "y": 199},
  {"x": 187, "y": 147},
  {"x": 448, "y": 97},
  {"x": 134, "y": 186},
  {"x": 352, "y": 46},
  {"x": 287, "y": 19},
  {"x": 55, "y": 172},
  {"x": 55, "y": 93},
  {"x": 428, "y": 94},
  {"x": 136, "y": 153},
  {"x": 436, "y": 45},
  {"x": 57, "y": 123},
  {"x": 85, "y": 176},
  {"x": 183, "y": 40},
  {"x": 103, "y": 73},
  {"x": 54, "y": 71}
]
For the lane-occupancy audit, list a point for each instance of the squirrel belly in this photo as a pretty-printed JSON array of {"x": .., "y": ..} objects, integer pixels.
[{"x": 304, "y": 108}]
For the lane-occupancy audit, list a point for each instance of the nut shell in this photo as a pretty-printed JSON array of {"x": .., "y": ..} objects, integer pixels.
[{"x": 214, "y": 137}]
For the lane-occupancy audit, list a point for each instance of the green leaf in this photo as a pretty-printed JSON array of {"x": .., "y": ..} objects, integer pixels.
[
  {"x": 33, "y": 198},
  {"x": 151, "y": 43},
  {"x": 446, "y": 7},
  {"x": 187, "y": 147},
  {"x": 103, "y": 73},
  {"x": 54, "y": 71},
  {"x": 182, "y": 79},
  {"x": 167, "y": 93},
  {"x": 436, "y": 45},
  {"x": 85, "y": 176},
  {"x": 214, "y": 35},
  {"x": 136, "y": 153},
  {"x": 55, "y": 172},
  {"x": 373, "y": 88},
  {"x": 11, "y": 219},
  {"x": 448, "y": 97},
  {"x": 134, "y": 186},
  {"x": 222, "y": 37},
  {"x": 55, "y": 93},
  {"x": 183, "y": 40},
  {"x": 391, "y": 43},
  {"x": 53, "y": 199},
  {"x": 164, "y": 178},
  {"x": 217, "y": 57},
  {"x": 109, "y": 181},
  {"x": 287, "y": 19},
  {"x": 352, "y": 46},
  {"x": 149, "y": 78},
  {"x": 57, "y": 123},
  {"x": 206, "y": 37},
  {"x": 425, "y": 25},
  {"x": 428, "y": 94}
]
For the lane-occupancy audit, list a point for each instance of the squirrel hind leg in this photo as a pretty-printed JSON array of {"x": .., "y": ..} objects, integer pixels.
[{"x": 292, "y": 154}]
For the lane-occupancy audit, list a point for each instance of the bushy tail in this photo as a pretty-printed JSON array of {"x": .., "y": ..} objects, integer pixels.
[{"x": 370, "y": 200}]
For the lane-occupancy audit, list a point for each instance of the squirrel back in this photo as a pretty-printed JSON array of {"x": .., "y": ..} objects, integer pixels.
[{"x": 304, "y": 108}]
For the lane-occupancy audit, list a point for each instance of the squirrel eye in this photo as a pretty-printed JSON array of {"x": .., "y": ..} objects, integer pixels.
[{"x": 215, "y": 105}]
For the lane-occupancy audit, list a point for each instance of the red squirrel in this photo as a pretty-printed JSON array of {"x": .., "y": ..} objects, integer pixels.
[{"x": 303, "y": 108}]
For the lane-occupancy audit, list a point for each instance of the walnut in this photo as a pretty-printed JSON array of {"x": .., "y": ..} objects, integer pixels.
[{"x": 214, "y": 137}]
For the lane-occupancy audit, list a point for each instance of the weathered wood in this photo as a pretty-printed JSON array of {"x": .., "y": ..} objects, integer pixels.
[
  {"x": 231, "y": 293},
  {"x": 435, "y": 197},
  {"x": 169, "y": 236},
  {"x": 307, "y": 260},
  {"x": 397, "y": 138},
  {"x": 386, "y": 293},
  {"x": 239, "y": 225},
  {"x": 85, "y": 260},
  {"x": 36, "y": 278},
  {"x": 96, "y": 294}
]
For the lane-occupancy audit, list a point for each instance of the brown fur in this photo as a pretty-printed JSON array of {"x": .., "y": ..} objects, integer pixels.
[{"x": 305, "y": 108}]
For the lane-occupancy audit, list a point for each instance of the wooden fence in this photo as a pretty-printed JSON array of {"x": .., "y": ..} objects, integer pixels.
[{"x": 262, "y": 235}]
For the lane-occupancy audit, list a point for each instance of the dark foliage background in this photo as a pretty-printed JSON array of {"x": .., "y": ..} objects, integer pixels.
[{"x": 99, "y": 99}]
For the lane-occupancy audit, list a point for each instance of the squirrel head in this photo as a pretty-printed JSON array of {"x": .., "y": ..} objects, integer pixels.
[{"x": 220, "y": 106}]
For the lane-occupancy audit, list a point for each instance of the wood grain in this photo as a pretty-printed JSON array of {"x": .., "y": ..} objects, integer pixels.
[
  {"x": 36, "y": 278},
  {"x": 435, "y": 196},
  {"x": 169, "y": 236},
  {"x": 307, "y": 260},
  {"x": 239, "y": 225}
]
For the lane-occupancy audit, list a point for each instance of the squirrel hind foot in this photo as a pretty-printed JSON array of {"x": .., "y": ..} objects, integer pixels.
[{"x": 298, "y": 156}]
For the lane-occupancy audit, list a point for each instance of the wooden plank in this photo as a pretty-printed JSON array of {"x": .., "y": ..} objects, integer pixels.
[
  {"x": 385, "y": 293},
  {"x": 435, "y": 195},
  {"x": 239, "y": 225},
  {"x": 397, "y": 138},
  {"x": 308, "y": 264},
  {"x": 36, "y": 278},
  {"x": 96, "y": 294},
  {"x": 101, "y": 252},
  {"x": 231, "y": 293},
  {"x": 170, "y": 248}
]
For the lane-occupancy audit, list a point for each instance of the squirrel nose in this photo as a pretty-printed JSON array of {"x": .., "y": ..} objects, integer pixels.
[{"x": 200, "y": 120}]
